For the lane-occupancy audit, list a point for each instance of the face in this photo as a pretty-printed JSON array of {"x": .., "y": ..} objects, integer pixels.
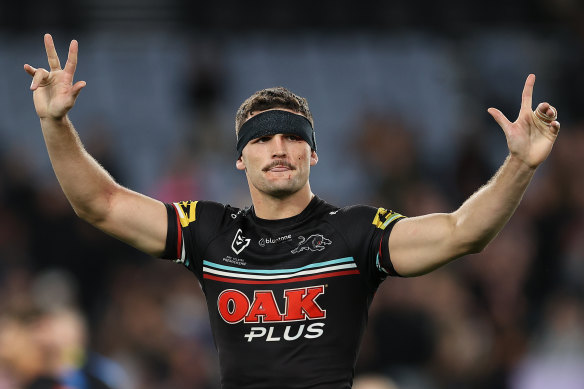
[{"x": 277, "y": 165}]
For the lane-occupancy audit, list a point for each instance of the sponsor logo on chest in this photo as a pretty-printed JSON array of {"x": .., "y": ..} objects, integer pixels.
[
  {"x": 300, "y": 304},
  {"x": 265, "y": 241},
  {"x": 314, "y": 242}
]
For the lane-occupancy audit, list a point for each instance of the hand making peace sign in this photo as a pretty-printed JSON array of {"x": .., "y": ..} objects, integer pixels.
[
  {"x": 54, "y": 91},
  {"x": 531, "y": 137}
]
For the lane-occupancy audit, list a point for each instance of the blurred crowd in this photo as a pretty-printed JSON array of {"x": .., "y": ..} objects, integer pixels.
[
  {"x": 509, "y": 317},
  {"x": 81, "y": 310}
]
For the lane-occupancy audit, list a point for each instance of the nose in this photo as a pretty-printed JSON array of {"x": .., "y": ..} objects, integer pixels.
[{"x": 278, "y": 146}]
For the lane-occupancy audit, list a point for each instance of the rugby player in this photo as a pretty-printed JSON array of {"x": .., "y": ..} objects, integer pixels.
[{"x": 288, "y": 281}]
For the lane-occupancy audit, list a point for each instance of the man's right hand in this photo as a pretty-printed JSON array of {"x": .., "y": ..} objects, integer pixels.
[{"x": 54, "y": 92}]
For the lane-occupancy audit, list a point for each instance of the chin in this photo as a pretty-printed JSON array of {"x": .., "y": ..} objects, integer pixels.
[{"x": 281, "y": 191}]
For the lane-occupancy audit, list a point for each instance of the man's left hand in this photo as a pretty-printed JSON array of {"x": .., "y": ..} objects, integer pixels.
[{"x": 530, "y": 138}]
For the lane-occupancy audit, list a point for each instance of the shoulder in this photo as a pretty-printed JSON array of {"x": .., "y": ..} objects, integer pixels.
[
  {"x": 356, "y": 212},
  {"x": 360, "y": 215},
  {"x": 205, "y": 211}
]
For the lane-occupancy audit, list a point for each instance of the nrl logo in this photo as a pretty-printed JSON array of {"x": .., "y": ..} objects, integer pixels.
[
  {"x": 239, "y": 242},
  {"x": 314, "y": 242}
]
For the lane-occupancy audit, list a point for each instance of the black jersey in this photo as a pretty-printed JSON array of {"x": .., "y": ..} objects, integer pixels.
[{"x": 287, "y": 299}]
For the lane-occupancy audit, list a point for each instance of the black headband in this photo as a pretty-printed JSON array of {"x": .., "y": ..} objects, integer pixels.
[{"x": 275, "y": 122}]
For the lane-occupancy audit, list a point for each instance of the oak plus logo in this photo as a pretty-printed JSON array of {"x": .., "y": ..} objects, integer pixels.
[
  {"x": 299, "y": 306},
  {"x": 239, "y": 242}
]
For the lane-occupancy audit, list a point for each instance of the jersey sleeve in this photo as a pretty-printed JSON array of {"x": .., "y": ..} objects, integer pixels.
[
  {"x": 366, "y": 231},
  {"x": 191, "y": 226}
]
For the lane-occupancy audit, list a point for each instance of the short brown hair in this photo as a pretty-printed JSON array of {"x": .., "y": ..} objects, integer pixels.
[{"x": 269, "y": 98}]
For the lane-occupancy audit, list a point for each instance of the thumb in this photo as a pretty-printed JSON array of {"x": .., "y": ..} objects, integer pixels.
[{"x": 499, "y": 117}]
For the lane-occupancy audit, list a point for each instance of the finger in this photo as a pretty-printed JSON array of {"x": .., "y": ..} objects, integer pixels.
[
  {"x": 71, "y": 64},
  {"x": 29, "y": 69},
  {"x": 555, "y": 126},
  {"x": 499, "y": 118},
  {"x": 543, "y": 107},
  {"x": 52, "y": 56},
  {"x": 545, "y": 113},
  {"x": 526, "y": 97},
  {"x": 77, "y": 88},
  {"x": 548, "y": 110},
  {"x": 552, "y": 112},
  {"x": 40, "y": 76}
]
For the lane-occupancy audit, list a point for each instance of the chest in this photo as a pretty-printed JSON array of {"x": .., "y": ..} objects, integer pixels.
[
  {"x": 245, "y": 248},
  {"x": 262, "y": 276}
]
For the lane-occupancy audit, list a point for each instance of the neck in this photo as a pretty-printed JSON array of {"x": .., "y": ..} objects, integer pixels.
[{"x": 273, "y": 208}]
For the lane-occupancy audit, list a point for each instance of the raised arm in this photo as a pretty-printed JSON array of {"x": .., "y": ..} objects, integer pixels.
[
  {"x": 418, "y": 245},
  {"x": 129, "y": 216}
]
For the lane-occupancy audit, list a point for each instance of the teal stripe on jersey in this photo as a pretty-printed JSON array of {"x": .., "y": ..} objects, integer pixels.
[
  {"x": 275, "y": 271},
  {"x": 275, "y": 276},
  {"x": 378, "y": 264},
  {"x": 395, "y": 216}
]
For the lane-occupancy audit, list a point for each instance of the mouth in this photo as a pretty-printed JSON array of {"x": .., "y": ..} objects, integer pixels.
[
  {"x": 279, "y": 166},
  {"x": 279, "y": 169}
]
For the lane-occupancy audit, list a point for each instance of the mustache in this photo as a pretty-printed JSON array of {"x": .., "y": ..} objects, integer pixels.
[{"x": 279, "y": 162}]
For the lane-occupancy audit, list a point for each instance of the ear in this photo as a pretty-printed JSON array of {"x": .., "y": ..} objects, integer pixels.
[
  {"x": 239, "y": 164},
  {"x": 313, "y": 158}
]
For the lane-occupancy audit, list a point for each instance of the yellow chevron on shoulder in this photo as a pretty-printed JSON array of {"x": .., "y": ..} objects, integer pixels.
[
  {"x": 377, "y": 222},
  {"x": 186, "y": 212},
  {"x": 383, "y": 218}
]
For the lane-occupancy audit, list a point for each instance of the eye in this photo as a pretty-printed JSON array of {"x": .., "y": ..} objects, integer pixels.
[
  {"x": 295, "y": 138},
  {"x": 263, "y": 139}
]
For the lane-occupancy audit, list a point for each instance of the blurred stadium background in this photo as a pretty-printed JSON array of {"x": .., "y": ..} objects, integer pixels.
[{"x": 399, "y": 92}]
